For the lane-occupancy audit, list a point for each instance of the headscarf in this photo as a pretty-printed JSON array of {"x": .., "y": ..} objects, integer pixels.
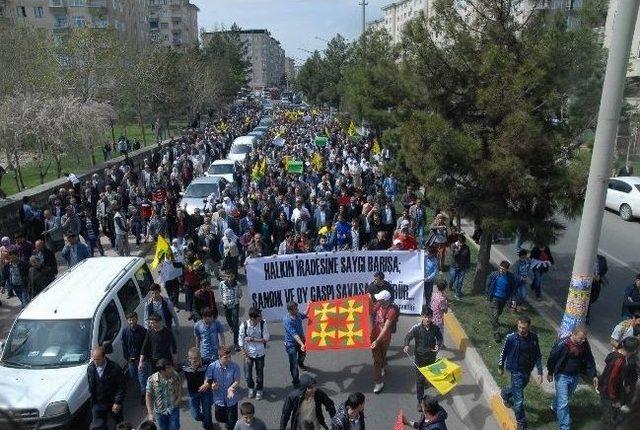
[{"x": 230, "y": 235}]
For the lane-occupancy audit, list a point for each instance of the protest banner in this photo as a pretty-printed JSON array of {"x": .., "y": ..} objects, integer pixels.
[
  {"x": 321, "y": 141},
  {"x": 295, "y": 166},
  {"x": 305, "y": 278}
]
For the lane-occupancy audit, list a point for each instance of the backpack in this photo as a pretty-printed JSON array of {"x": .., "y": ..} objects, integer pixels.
[{"x": 246, "y": 324}]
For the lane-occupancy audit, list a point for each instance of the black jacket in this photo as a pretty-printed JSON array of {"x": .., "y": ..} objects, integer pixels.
[
  {"x": 49, "y": 260},
  {"x": 110, "y": 388},
  {"x": 132, "y": 341},
  {"x": 558, "y": 358},
  {"x": 426, "y": 341},
  {"x": 462, "y": 257},
  {"x": 340, "y": 420},
  {"x": 291, "y": 407}
]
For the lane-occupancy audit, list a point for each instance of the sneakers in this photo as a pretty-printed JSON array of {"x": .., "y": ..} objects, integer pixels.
[
  {"x": 252, "y": 393},
  {"x": 259, "y": 395},
  {"x": 378, "y": 387}
]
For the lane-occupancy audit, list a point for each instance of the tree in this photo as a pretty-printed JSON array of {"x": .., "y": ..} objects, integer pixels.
[
  {"x": 487, "y": 135},
  {"x": 309, "y": 79},
  {"x": 370, "y": 85}
]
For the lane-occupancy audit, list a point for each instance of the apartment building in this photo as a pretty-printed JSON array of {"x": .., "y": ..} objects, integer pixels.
[
  {"x": 128, "y": 17},
  {"x": 397, "y": 14},
  {"x": 265, "y": 55},
  {"x": 173, "y": 23}
]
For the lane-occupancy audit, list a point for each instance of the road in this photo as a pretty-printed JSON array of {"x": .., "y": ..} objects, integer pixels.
[
  {"x": 338, "y": 373},
  {"x": 619, "y": 243}
]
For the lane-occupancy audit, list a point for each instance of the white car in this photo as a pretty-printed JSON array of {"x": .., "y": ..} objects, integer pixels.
[
  {"x": 202, "y": 193},
  {"x": 240, "y": 149},
  {"x": 223, "y": 168},
  {"x": 623, "y": 196},
  {"x": 43, "y": 363}
]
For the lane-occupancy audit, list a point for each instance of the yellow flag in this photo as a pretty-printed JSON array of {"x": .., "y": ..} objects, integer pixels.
[
  {"x": 443, "y": 375},
  {"x": 316, "y": 161},
  {"x": 376, "y": 147},
  {"x": 162, "y": 248},
  {"x": 263, "y": 167},
  {"x": 352, "y": 129},
  {"x": 247, "y": 120}
]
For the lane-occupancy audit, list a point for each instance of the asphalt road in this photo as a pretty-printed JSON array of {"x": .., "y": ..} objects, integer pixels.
[
  {"x": 338, "y": 373},
  {"x": 619, "y": 243}
]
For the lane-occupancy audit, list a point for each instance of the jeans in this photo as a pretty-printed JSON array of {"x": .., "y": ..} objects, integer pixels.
[
  {"x": 232, "y": 313},
  {"x": 200, "y": 408},
  {"x": 169, "y": 421},
  {"x": 296, "y": 358},
  {"x": 188, "y": 297},
  {"x": 139, "y": 377},
  {"x": 420, "y": 235},
  {"x": 565, "y": 386},
  {"x": 227, "y": 415},
  {"x": 248, "y": 372},
  {"x": 536, "y": 284},
  {"x": 521, "y": 291},
  {"x": 421, "y": 381},
  {"x": 100, "y": 413},
  {"x": 456, "y": 275},
  {"x": 497, "y": 306},
  {"x": 95, "y": 243},
  {"x": 122, "y": 243},
  {"x": 173, "y": 291},
  {"x": 515, "y": 394},
  {"x": 428, "y": 291}
]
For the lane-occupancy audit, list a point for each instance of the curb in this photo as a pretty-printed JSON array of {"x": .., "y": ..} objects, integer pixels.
[{"x": 480, "y": 373}]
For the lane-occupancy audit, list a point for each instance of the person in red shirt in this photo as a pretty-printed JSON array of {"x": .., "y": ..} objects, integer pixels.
[
  {"x": 403, "y": 240},
  {"x": 385, "y": 317},
  {"x": 193, "y": 274},
  {"x": 616, "y": 382}
]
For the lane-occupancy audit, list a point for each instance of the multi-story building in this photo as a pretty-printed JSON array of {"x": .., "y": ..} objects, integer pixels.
[
  {"x": 265, "y": 55},
  {"x": 173, "y": 23},
  {"x": 128, "y": 17},
  {"x": 397, "y": 14}
]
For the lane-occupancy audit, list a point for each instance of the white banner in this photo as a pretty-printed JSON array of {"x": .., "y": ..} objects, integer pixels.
[{"x": 304, "y": 278}]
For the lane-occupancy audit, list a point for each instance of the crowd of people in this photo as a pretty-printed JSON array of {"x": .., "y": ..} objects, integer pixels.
[{"x": 343, "y": 199}]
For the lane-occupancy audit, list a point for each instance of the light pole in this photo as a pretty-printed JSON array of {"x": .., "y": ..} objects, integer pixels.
[
  {"x": 364, "y": 13},
  {"x": 603, "y": 148}
]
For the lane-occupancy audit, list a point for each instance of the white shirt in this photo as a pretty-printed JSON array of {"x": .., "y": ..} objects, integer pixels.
[{"x": 254, "y": 349}]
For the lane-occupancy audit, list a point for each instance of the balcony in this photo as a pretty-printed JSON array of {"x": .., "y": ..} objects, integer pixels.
[{"x": 57, "y": 3}]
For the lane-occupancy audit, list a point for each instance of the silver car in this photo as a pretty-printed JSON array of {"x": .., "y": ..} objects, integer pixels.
[{"x": 202, "y": 193}]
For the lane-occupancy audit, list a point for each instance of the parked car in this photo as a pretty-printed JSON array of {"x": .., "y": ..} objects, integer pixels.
[
  {"x": 223, "y": 168},
  {"x": 202, "y": 193},
  {"x": 43, "y": 363},
  {"x": 257, "y": 133},
  {"x": 265, "y": 121},
  {"x": 623, "y": 196},
  {"x": 261, "y": 128}
]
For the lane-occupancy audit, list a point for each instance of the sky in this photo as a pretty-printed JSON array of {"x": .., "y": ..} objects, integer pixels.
[{"x": 295, "y": 23}]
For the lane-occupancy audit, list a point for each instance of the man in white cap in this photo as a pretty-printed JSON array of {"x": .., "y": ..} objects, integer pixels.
[{"x": 385, "y": 317}]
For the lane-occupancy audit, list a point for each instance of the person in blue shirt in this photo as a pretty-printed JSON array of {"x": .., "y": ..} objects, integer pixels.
[
  {"x": 209, "y": 335},
  {"x": 499, "y": 289},
  {"x": 223, "y": 377},
  {"x": 521, "y": 269},
  {"x": 520, "y": 354},
  {"x": 431, "y": 268},
  {"x": 294, "y": 340}
]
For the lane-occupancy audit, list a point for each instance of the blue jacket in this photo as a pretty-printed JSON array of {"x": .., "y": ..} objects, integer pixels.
[
  {"x": 492, "y": 281},
  {"x": 431, "y": 267},
  {"x": 510, "y": 355}
]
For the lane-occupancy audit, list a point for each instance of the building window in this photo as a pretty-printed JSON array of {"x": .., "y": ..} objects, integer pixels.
[
  {"x": 1, "y": 10},
  {"x": 21, "y": 11},
  {"x": 153, "y": 25},
  {"x": 76, "y": 3},
  {"x": 38, "y": 12},
  {"x": 164, "y": 25},
  {"x": 61, "y": 21},
  {"x": 79, "y": 21}
]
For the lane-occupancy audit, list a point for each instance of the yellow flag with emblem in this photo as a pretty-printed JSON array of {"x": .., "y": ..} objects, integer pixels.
[
  {"x": 443, "y": 375},
  {"x": 316, "y": 161},
  {"x": 375, "y": 148},
  {"x": 162, "y": 249},
  {"x": 352, "y": 129}
]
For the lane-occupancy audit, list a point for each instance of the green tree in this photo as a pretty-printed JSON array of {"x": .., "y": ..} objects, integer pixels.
[
  {"x": 335, "y": 57},
  {"x": 370, "y": 82},
  {"x": 309, "y": 79},
  {"x": 487, "y": 134}
]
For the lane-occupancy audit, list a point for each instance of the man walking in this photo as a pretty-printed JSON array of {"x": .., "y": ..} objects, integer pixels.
[
  {"x": 350, "y": 415},
  {"x": 520, "y": 354},
  {"x": 253, "y": 339},
  {"x": 385, "y": 317},
  {"x": 428, "y": 339},
  {"x": 431, "y": 269},
  {"x": 303, "y": 406},
  {"x": 231, "y": 295},
  {"x": 294, "y": 340},
  {"x": 164, "y": 394},
  {"x": 200, "y": 398},
  {"x": 569, "y": 358},
  {"x": 159, "y": 343},
  {"x": 160, "y": 306},
  {"x": 615, "y": 382},
  {"x": 378, "y": 285},
  {"x": 223, "y": 377},
  {"x": 74, "y": 251},
  {"x": 460, "y": 263},
  {"x": 132, "y": 340},
  {"x": 121, "y": 230},
  {"x": 106, "y": 387},
  {"x": 501, "y": 285},
  {"x": 209, "y": 335}
]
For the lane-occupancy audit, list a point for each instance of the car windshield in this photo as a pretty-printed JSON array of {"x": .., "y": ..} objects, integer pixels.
[
  {"x": 201, "y": 190},
  {"x": 48, "y": 343},
  {"x": 240, "y": 149},
  {"x": 221, "y": 169}
]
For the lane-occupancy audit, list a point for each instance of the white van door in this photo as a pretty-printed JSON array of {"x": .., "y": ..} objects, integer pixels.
[
  {"x": 144, "y": 279},
  {"x": 108, "y": 328}
]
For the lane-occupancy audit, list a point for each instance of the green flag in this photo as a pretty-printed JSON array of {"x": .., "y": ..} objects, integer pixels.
[
  {"x": 295, "y": 166},
  {"x": 321, "y": 141}
]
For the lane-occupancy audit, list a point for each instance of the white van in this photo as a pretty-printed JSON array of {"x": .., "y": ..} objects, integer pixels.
[
  {"x": 240, "y": 147},
  {"x": 43, "y": 363}
]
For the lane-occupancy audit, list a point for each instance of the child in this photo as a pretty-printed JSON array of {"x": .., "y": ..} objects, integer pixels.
[
  {"x": 200, "y": 398},
  {"x": 249, "y": 421},
  {"x": 521, "y": 269},
  {"x": 439, "y": 304}
]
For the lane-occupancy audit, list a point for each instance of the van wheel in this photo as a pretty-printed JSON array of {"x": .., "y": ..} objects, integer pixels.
[{"x": 625, "y": 212}]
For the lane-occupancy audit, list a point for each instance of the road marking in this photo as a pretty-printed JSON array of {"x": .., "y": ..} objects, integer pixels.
[{"x": 618, "y": 261}]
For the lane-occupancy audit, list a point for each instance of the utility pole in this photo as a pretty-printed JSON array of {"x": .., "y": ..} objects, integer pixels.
[
  {"x": 364, "y": 13},
  {"x": 603, "y": 148}
]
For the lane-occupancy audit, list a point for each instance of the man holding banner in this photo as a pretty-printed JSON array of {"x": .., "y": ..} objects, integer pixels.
[{"x": 294, "y": 341}]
